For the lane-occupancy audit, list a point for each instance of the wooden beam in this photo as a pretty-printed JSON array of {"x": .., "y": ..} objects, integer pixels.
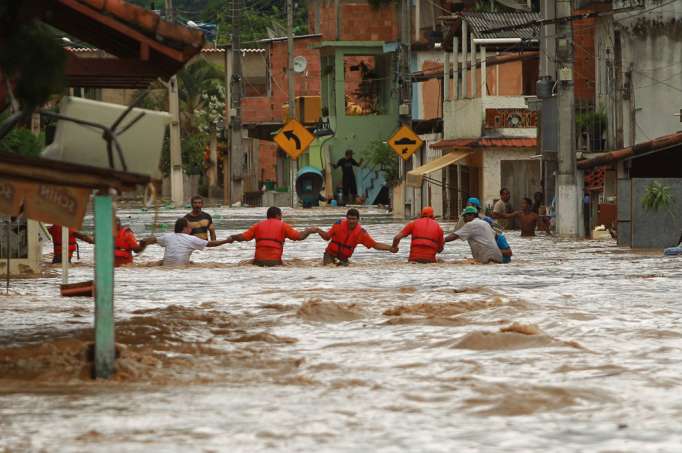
[
  {"x": 102, "y": 72},
  {"x": 67, "y": 174},
  {"x": 120, "y": 27}
]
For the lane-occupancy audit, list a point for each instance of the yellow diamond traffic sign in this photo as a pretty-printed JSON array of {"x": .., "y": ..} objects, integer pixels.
[
  {"x": 405, "y": 142},
  {"x": 294, "y": 139}
]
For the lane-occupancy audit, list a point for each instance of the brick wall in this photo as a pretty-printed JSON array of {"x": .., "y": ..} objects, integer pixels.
[
  {"x": 267, "y": 158},
  {"x": 584, "y": 66},
  {"x": 359, "y": 22},
  {"x": 269, "y": 108}
]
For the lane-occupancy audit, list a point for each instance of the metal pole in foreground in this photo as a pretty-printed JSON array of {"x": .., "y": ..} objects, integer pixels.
[
  {"x": 9, "y": 251},
  {"x": 65, "y": 255},
  {"x": 293, "y": 167},
  {"x": 104, "y": 287}
]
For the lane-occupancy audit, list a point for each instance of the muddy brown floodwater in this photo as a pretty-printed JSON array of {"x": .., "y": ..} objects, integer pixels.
[{"x": 575, "y": 346}]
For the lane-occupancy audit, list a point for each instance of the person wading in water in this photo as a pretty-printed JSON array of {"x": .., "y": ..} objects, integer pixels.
[
  {"x": 200, "y": 221},
  {"x": 270, "y": 235},
  {"x": 427, "y": 237},
  {"x": 345, "y": 235}
]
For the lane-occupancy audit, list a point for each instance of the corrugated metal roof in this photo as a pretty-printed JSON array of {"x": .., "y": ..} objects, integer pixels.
[
  {"x": 479, "y": 22},
  {"x": 486, "y": 142}
]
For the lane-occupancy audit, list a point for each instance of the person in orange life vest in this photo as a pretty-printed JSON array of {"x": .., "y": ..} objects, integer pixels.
[
  {"x": 125, "y": 243},
  {"x": 427, "y": 237},
  {"x": 56, "y": 233},
  {"x": 270, "y": 235},
  {"x": 345, "y": 235}
]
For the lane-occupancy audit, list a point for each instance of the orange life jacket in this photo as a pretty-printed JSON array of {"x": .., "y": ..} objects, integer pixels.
[
  {"x": 343, "y": 244},
  {"x": 426, "y": 233},
  {"x": 270, "y": 240},
  {"x": 122, "y": 250},
  {"x": 56, "y": 233}
]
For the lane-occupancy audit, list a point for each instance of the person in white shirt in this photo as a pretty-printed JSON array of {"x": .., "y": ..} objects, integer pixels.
[
  {"x": 180, "y": 244},
  {"x": 480, "y": 236}
]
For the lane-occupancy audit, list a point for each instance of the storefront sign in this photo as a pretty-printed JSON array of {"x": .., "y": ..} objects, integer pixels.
[
  {"x": 44, "y": 202},
  {"x": 510, "y": 118}
]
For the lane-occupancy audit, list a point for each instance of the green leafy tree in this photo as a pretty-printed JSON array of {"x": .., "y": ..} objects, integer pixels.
[{"x": 382, "y": 158}]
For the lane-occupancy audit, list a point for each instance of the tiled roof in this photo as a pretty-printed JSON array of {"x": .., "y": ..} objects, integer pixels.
[
  {"x": 487, "y": 142},
  {"x": 121, "y": 29},
  {"x": 479, "y": 22}
]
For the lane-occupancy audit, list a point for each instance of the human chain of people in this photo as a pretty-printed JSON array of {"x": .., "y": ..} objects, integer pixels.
[{"x": 196, "y": 231}]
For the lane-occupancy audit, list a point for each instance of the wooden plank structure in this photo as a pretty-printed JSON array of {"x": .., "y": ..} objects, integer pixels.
[
  {"x": 59, "y": 175},
  {"x": 144, "y": 48}
]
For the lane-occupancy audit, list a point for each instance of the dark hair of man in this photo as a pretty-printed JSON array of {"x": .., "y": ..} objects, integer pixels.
[
  {"x": 197, "y": 197},
  {"x": 273, "y": 211},
  {"x": 529, "y": 201},
  {"x": 180, "y": 224},
  {"x": 352, "y": 212},
  {"x": 504, "y": 189}
]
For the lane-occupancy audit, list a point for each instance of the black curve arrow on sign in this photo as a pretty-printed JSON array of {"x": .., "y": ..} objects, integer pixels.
[{"x": 291, "y": 136}]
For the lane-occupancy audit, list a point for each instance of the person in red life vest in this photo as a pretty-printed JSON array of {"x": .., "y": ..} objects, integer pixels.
[
  {"x": 56, "y": 233},
  {"x": 125, "y": 243},
  {"x": 345, "y": 235},
  {"x": 270, "y": 235},
  {"x": 427, "y": 237}
]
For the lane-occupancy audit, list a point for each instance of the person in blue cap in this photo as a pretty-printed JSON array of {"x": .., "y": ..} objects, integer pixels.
[
  {"x": 476, "y": 203},
  {"x": 501, "y": 241}
]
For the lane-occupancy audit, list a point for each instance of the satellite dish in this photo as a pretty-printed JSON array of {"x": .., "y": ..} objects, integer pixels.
[{"x": 300, "y": 63}]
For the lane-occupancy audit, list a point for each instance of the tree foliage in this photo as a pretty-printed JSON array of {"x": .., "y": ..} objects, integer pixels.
[
  {"x": 32, "y": 57},
  {"x": 382, "y": 158},
  {"x": 658, "y": 196}
]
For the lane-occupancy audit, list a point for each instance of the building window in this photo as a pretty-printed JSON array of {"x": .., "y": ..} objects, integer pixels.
[{"x": 365, "y": 84}]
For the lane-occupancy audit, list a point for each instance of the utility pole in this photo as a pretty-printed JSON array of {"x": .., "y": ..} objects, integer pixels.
[
  {"x": 176, "y": 176},
  {"x": 293, "y": 164},
  {"x": 548, "y": 113},
  {"x": 235, "y": 157},
  {"x": 568, "y": 198}
]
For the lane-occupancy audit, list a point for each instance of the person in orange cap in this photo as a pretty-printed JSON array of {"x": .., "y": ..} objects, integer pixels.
[
  {"x": 344, "y": 236},
  {"x": 427, "y": 237}
]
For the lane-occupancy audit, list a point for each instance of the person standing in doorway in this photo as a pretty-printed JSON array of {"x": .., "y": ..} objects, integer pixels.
[
  {"x": 201, "y": 222},
  {"x": 350, "y": 188},
  {"x": 502, "y": 210}
]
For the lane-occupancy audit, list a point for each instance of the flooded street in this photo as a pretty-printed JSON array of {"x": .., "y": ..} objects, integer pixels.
[{"x": 574, "y": 346}]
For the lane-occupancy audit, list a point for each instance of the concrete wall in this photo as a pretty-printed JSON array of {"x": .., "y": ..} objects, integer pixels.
[
  {"x": 652, "y": 48},
  {"x": 492, "y": 174},
  {"x": 463, "y": 118},
  {"x": 647, "y": 229}
]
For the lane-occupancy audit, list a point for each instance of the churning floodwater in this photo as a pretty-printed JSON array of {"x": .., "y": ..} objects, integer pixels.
[{"x": 575, "y": 346}]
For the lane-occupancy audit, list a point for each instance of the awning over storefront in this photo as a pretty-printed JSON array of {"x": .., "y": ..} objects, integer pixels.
[{"x": 416, "y": 176}]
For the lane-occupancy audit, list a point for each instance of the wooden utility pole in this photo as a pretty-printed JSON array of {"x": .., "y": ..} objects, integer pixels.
[
  {"x": 227, "y": 180},
  {"x": 176, "y": 176},
  {"x": 293, "y": 165},
  {"x": 235, "y": 158}
]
